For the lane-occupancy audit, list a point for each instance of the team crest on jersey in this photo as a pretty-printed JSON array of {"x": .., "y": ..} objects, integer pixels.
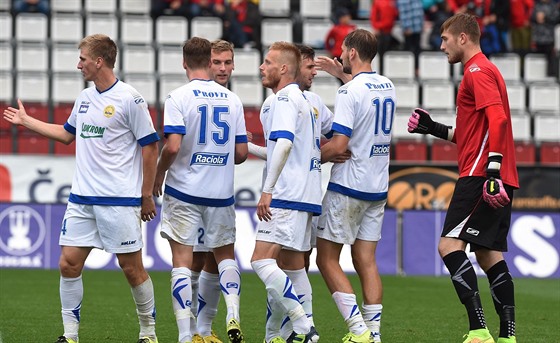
[
  {"x": 474, "y": 68},
  {"x": 109, "y": 111},
  {"x": 84, "y": 106},
  {"x": 315, "y": 113}
]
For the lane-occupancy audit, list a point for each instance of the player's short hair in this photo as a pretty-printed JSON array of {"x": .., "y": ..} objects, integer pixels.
[
  {"x": 289, "y": 55},
  {"x": 197, "y": 52},
  {"x": 100, "y": 45},
  {"x": 462, "y": 22},
  {"x": 306, "y": 51},
  {"x": 220, "y": 45},
  {"x": 364, "y": 42}
]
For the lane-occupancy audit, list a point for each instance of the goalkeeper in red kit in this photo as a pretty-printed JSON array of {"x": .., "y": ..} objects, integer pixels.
[{"x": 480, "y": 210}]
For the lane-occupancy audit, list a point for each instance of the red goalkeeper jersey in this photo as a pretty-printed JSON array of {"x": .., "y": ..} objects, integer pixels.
[{"x": 482, "y": 86}]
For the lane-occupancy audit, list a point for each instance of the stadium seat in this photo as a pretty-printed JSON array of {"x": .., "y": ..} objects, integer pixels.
[
  {"x": 253, "y": 124},
  {"x": 167, "y": 83},
  {"x": 145, "y": 84},
  {"x": 326, "y": 89},
  {"x": 550, "y": 153},
  {"x": 273, "y": 30},
  {"x": 400, "y": 126},
  {"x": 521, "y": 126},
  {"x": 31, "y": 27},
  {"x": 274, "y": 8},
  {"x": 171, "y": 30},
  {"x": 315, "y": 31},
  {"x": 249, "y": 90},
  {"x": 315, "y": 8},
  {"x": 247, "y": 62},
  {"x": 66, "y": 28},
  {"x": 207, "y": 27},
  {"x": 544, "y": 97},
  {"x": 509, "y": 65},
  {"x": 102, "y": 23},
  {"x": 6, "y": 145},
  {"x": 138, "y": 59},
  {"x": 443, "y": 151},
  {"x": 6, "y": 59},
  {"x": 5, "y": 27},
  {"x": 457, "y": 72},
  {"x": 525, "y": 153},
  {"x": 136, "y": 29},
  {"x": 408, "y": 95},
  {"x": 100, "y": 6},
  {"x": 31, "y": 143},
  {"x": 32, "y": 87},
  {"x": 438, "y": 95},
  {"x": 65, "y": 58},
  {"x": 534, "y": 68},
  {"x": 410, "y": 151},
  {"x": 32, "y": 57},
  {"x": 62, "y": 112},
  {"x": 65, "y": 150},
  {"x": 156, "y": 119},
  {"x": 74, "y": 6},
  {"x": 135, "y": 6},
  {"x": 375, "y": 65},
  {"x": 170, "y": 61},
  {"x": 5, "y": 126},
  {"x": 557, "y": 37},
  {"x": 6, "y": 94},
  {"x": 66, "y": 86},
  {"x": 547, "y": 128},
  {"x": 517, "y": 96},
  {"x": 433, "y": 65},
  {"x": 399, "y": 65}
]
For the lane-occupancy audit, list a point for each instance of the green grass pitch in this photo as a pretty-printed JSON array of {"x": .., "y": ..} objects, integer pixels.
[{"x": 416, "y": 309}]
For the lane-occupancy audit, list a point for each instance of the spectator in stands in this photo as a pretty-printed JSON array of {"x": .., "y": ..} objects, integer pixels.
[
  {"x": 169, "y": 7},
  {"x": 438, "y": 14},
  {"x": 545, "y": 16},
  {"x": 41, "y": 6},
  {"x": 411, "y": 14},
  {"x": 350, "y": 5},
  {"x": 383, "y": 15},
  {"x": 207, "y": 8},
  {"x": 242, "y": 24},
  {"x": 521, "y": 11},
  {"x": 341, "y": 28}
]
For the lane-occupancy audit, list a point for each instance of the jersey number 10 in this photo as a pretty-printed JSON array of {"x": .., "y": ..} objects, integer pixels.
[{"x": 384, "y": 112}]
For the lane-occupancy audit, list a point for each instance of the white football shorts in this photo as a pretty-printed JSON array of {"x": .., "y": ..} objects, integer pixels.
[
  {"x": 345, "y": 219},
  {"x": 181, "y": 221},
  {"x": 289, "y": 228},
  {"x": 115, "y": 229}
]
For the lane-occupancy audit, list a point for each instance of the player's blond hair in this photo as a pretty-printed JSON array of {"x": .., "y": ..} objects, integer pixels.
[
  {"x": 289, "y": 55},
  {"x": 100, "y": 45}
]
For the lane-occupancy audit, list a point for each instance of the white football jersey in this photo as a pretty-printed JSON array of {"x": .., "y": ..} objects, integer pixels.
[
  {"x": 211, "y": 118},
  {"x": 288, "y": 114},
  {"x": 111, "y": 127},
  {"x": 364, "y": 111},
  {"x": 321, "y": 111}
]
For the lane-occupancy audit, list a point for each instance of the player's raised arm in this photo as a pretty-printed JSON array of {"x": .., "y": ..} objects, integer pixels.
[
  {"x": 333, "y": 67},
  {"x": 18, "y": 116}
]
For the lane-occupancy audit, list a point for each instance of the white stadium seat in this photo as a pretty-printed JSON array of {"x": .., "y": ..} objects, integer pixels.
[
  {"x": 100, "y": 6},
  {"x": 66, "y": 5},
  {"x": 167, "y": 83},
  {"x": 521, "y": 126},
  {"x": 32, "y": 87},
  {"x": 433, "y": 65},
  {"x": 6, "y": 59},
  {"x": 135, "y": 6},
  {"x": 517, "y": 97},
  {"x": 6, "y": 86},
  {"x": 399, "y": 65},
  {"x": 249, "y": 90},
  {"x": 5, "y": 26},
  {"x": 315, "y": 8},
  {"x": 170, "y": 61},
  {"x": 171, "y": 30},
  {"x": 247, "y": 62},
  {"x": 207, "y": 27},
  {"x": 136, "y": 29},
  {"x": 438, "y": 95},
  {"x": 102, "y": 23},
  {"x": 66, "y": 87},
  {"x": 274, "y": 8},
  {"x": 544, "y": 97},
  {"x": 326, "y": 89},
  {"x": 67, "y": 28},
  {"x": 31, "y": 27},
  {"x": 138, "y": 59},
  {"x": 145, "y": 84},
  {"x": 65, "y": 58},
  {"x": 273, "y": 30},
  {"x": 535, "y": 68},
  {"x": 408, "y": 94},
  {"x": 32, "y": 57},
  {"x": 547, "y": 128},
  {"x": 315, "y": 31},
  {"x": 509, "y": 65}
]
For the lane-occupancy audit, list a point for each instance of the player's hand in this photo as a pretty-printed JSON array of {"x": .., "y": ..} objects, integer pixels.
[
  {"x": 329, "y": 65},
  {"x": 263, "y": 207},
  {"x": 420, "y": 122},
  {"x": 158, "y": 185},
  {"x": 148, "y": 211},
  {"x": 249, "y": 136},
  {"x": 345, "y": 156},
  {"x": 494, "y": 193},
  {"x": 15, "y": 116}
]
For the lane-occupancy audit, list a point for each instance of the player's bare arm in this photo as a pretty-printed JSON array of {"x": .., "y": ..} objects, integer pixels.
[
  {"x": 18, "y": 116},
  {"x": 168, "y": 154},
  {"x": 336, "y": 147},
  {"x": 241, "y": 152},
  {"x": 149, "y": 161}
]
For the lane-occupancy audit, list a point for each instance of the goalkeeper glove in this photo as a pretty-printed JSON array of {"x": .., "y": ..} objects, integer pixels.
[
  {"x": 493, "y": 191},
  {"x": 421, "y": 122}
]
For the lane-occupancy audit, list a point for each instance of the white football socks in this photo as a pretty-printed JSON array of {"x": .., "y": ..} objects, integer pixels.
[
  {"x": 181, "y": 299},
  {"x": 208, "y": 299},
  {"x": 143, "y": 295},
  {"x": 71, "y": 295},
  {"x": 350, "y": 311},
  {"x": 230, "y": 282}
]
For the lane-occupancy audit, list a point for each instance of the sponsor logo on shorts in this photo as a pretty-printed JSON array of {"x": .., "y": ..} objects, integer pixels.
[
  {"x": 128, "y": 242},
  {"x": 379, "y": 150},
  {"x": 315, "y": 164},
  {"x": 266, "y": 232},
  {"x": 320, "y": 228},
  {"x": 472, "y": 231},
  {"x": 209, "y": 159}
]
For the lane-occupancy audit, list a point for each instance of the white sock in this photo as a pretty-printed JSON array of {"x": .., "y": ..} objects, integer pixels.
[
  {"x": 208, "y": 299},
  {"x": 303, "y": 288},
  {"x": 274, "y": 315},
  {"x": 143, "y": 295},
  {"x": 230, "y": 282},
  {"x": 350, "y": 311},
  {"x": 181, "y": 299},
  {"x": 280, "y": 288},
  {"x": 194, "y": 305},
  {"x": 71, "y": 295},
  {"x": 372, "y": 317}
]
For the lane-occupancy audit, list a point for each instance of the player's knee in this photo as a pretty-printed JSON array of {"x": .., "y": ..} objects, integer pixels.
[{"x": 69, "y": 268}]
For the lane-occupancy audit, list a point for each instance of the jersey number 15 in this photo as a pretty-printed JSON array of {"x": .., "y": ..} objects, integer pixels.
[{"x": 219, "y": 131}]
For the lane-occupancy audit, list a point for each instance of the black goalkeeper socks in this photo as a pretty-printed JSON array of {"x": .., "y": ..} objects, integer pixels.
[{"x": 502, "y": 290}]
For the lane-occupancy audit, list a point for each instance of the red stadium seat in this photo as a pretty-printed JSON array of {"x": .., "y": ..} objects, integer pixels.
[
  {"x": 158, "y": 124},
  {"x": 6, "y": 145},
  {"x": 61, "y": 113},
  {"x": 444, "y": 151},
  {"x": 525, "y": 153},
  {"x": 36, "y": 110},
  {"x": 253, "y": 124},
  {"x": 550, "y": 153},
  {"x": 4, "y": 124},
  {"x": 31, "y": 143},
  {"x": 411, "y": 151},
  {"x": 63, "y": 149}
]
